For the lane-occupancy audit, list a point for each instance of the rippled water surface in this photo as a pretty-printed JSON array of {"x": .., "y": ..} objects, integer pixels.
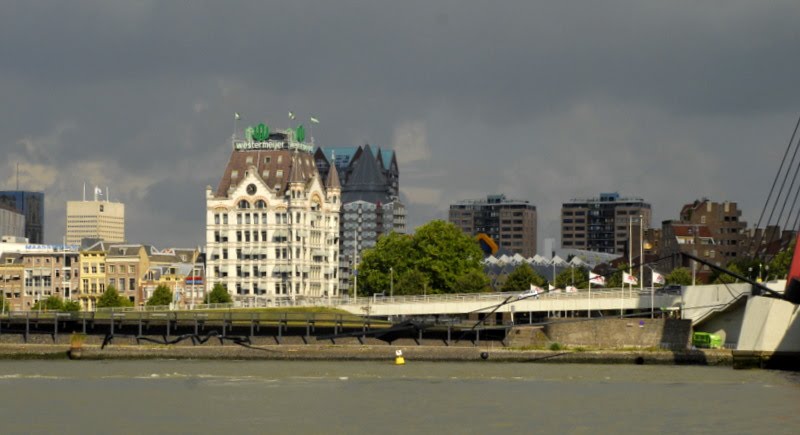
[{"x": 233, "y": 397}]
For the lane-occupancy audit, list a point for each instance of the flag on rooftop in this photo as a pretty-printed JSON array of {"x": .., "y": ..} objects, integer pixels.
[{"x": 314, "y": 120}]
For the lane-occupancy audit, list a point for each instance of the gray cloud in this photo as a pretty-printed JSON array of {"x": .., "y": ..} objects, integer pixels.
[{"x": 542, "y": 100}]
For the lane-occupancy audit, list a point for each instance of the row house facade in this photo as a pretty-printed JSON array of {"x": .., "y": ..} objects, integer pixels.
[{"x": 33, "y": 276}]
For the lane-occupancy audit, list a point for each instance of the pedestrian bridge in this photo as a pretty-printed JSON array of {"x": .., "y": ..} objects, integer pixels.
[{"x": 577, "y": 304}]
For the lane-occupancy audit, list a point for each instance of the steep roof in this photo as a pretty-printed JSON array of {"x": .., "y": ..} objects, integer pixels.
[
  {"x": 367, "y": 181},
  {"x": 268, "y": 164},
  {"x": 333, "y": 180}
]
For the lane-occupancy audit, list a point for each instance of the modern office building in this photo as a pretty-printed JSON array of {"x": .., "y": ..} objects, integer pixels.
[
  {"x": 31, "y": 205},
  {"x": 511, "y": 223},
  {"x": 12, "y": 222},
  {"x": 370, "y": 204},
  {"x": 273, "y": 222},
  {"x": 95, "y": 219},
  {"x": 608, "y": 223}
]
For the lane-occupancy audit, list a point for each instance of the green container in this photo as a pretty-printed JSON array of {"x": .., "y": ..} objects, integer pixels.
[{"x": 706, "y": 340}]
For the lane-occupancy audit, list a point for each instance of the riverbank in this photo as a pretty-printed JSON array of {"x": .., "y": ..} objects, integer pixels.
[{"x": 366, "y": 353}]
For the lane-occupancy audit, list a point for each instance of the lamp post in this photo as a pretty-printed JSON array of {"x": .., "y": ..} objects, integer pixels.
[
  {"x": 391, "y": 283},
  {"x": 652, "y": 292},
  {"x": 641, "y": 252}
]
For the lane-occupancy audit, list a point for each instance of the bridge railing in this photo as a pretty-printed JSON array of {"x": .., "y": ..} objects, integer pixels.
[{"x": 596, "y": 293}]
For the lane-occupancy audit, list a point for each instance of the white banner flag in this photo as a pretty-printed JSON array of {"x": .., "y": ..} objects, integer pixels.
[
  {"x": 658, "y": 278},
  {"x": 629, "y": 279},
  {"x": 597, "y": 279}
]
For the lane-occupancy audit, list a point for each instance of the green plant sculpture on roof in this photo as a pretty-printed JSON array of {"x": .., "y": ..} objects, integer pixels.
[
  {"x": 301, "y": 133},
  {"x": 260, "y": 133}
]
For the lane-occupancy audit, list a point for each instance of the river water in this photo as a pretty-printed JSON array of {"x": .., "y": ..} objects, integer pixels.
[{"x": 232, "y": 397}]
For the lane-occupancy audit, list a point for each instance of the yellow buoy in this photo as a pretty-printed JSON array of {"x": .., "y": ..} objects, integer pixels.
[{"x": 398, "y": 359}]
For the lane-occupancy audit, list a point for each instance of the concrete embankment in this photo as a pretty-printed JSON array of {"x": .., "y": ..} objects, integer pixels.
[{"x": 365, "y": 353}]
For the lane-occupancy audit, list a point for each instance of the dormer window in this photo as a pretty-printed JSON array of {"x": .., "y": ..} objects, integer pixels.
[{"x": 234, "y": 174}]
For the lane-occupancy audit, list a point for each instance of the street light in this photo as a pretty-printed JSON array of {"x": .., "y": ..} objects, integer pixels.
[
  {"x": 652, "y": 291},
  {"x": 391, "y": 282}
]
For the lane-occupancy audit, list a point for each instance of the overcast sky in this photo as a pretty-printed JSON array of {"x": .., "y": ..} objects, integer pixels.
[{"x": 544, "y": 101}]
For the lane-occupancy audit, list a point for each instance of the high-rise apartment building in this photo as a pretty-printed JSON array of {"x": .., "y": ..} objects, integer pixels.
[
  {"x": 370, "y": 204},
  {"x": 723, "y": 221},
  {"x": 102, "y": 220},
  {"x": 510, "y": 223},
  {"x": 272, "y": 227},
  {"x": 31, "y": 205},
  {"x": 609, "y": 223}
]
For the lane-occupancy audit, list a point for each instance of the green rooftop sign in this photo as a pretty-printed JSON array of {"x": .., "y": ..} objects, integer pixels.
[{"x": 260, "y": 133}]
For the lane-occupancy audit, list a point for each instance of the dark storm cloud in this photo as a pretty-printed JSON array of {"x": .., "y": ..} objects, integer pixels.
[{"x": 544, "y": 100}]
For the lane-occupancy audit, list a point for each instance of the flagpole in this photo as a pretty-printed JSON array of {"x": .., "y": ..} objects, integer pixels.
[
  {"x": 630, "y": 252},
  {"x": 235, "y": 124},
  {"x": 589, "y": 312},
  {"x": 641, "y": 253},
  {"x": 652, "y": 290}
]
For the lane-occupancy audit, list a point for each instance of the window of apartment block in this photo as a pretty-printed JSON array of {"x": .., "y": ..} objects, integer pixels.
[
  {"x": 225, "y": 219},
  {"x": 132, "y": 284},
  {"x": 131, "y": 269}
]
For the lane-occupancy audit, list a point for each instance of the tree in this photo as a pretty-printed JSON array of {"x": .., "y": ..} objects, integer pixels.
[
  {"x": 411, "y": 282},
  {"x": 162, "y": 295},
  {"x": 52, "y": 303},
  {"x": 473, "y": 281},
  {"x": 438, "y": 250},
  {"x": 70, "y": 305},
  {"x": 779, "y": 266},
  {"x": 111, "y": 299},
  {"x": 218, "y": 295},
  {"x": 4, "y": 306},
  {"x": 724, "y": 278},
  {"x": 565, "y": 277},
  {"x": 521, "y": 279},
  {"x": 679, "y": 276}
]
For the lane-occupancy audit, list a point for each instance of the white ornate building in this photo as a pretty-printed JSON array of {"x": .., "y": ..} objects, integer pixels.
[{"x": 272, "y": 224}]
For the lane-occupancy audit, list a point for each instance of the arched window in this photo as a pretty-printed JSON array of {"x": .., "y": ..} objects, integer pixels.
[
  {"x": 244, "y": 204},
  {"x": 261, "y": 204}
]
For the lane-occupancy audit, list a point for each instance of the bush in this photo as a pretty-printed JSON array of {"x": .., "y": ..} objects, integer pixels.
[
  {"x": 556, "y": 346},
  {"x": 71, "y": 306},
  {"x": 111, "y": 298}
]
